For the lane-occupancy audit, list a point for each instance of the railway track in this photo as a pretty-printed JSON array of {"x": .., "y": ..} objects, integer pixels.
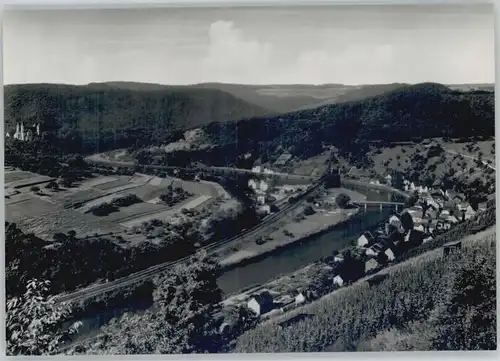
[{"x": 148, "y": 273}]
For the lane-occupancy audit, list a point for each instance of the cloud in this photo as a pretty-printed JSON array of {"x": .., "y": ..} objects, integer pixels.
[{"x": 233, "y": 58}]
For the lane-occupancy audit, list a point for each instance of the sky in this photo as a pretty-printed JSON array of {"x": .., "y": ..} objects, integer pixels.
[{"x": 272, "y": 45}]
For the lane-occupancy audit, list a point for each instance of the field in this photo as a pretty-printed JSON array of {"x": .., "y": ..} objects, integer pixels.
[
  {"x": 312, "y": 166},
  {"x": 361, "y": 311},
  {"x": 64, "y": 210},
  {"x": 17, "y": 175}
]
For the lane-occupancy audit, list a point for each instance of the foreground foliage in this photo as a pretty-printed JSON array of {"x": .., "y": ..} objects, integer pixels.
[
  {"x": 183, "y": 320},
  {"x": 33, "y": 322}
]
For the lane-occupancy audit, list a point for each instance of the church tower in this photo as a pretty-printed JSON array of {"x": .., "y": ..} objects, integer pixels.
[{"x": 22, "y": 132}]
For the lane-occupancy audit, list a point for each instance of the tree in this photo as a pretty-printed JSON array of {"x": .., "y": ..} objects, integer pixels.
[
  {"x": 466, "y": 317},
  {"x": 407, "y": 221},
  {"x": 309, "y": 211},
  {"x": 186, "y": 299},
  {"x": 33, "y": 322},
  {"x": 343, "y": 200}
]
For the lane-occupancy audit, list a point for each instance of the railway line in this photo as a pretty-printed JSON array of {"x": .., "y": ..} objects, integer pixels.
[{"x": 98, "y": 289}]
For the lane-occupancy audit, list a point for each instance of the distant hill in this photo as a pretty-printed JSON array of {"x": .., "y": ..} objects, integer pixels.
[
  {"x": 412, "y": 111},
  {"x": 100, "y": 116},
  {"x": 277, "y": 98}
]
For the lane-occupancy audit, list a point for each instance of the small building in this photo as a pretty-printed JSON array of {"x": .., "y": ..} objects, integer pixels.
[
  {"x": 370, "y": 265},
  {"x": 427, "y": 239},
  {"x": 338, "y": 259},
  {"x": 390, "y": 254},
  {"x": 481, "y": 207},
  {"x": 265, "y": 209},
  {"x": 261, "y": 303},
  {"x": 225, "y": 328},
  {"x": 388, "y": 180},
  {"x": 451, "y": 248},
  {"x": 301, "y": 297},
  {"x": 365, "y": 239},
  {"x": 337, "y": 280}
]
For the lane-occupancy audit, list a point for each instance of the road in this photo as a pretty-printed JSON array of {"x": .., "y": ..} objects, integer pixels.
[
  {"x": 98, "y": 289},
  {"x": 100, "y": 160}
]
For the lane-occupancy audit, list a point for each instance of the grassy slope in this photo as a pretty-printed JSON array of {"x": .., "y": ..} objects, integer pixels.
[{"x": 339, "y": 321}]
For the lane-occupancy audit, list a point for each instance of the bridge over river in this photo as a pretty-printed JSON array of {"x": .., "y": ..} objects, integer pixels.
[{"x": 380, "y": 204}]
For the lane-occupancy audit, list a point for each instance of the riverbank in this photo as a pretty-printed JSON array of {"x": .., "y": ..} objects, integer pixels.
[{"x": 296, "y": 227}]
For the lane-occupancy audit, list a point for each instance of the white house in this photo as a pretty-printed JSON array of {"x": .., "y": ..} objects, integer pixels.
[
  {"x": 252, "y": 184},
  {"x": 337, "y": 280},
  {"x": 261, "y": 199},
  {"x": 469, "y": 212},
  {"x": 363, "y": 241},
  {"x": 419, "y": 228},
  {"x": 396, "y": 222},
  {"x": 300, "y": 298},
  {"x": 263, "y": 186},
  {"x": 266, "y": 208},
  {"x": 390, "y": 255},
  {"x": 261, "y": 303}
]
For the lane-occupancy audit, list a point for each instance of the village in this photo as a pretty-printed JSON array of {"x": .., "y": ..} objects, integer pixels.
[{"x": 430, "y": 212}]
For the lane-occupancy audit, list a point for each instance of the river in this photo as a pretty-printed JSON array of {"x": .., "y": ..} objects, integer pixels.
[{"x": 284, "y": 261}]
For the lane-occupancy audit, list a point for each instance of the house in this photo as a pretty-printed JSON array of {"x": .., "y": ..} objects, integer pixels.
[
  {"x": 252, "y": 184},
  {"x": 365, "y": 239},
  {"x": 465, "y": 211},
  {"x": 263, "y": 186},
  {"x": 396, "y": 222},
  {"x": 388, "y": 180},
  {"x": 419, "y": 228},
  {"x": 427, "y": 239},
  {"x": 452, "y": 248},
  {"x": 481, "y": 207},
  {"x": 390, "y": 254},
  {"x": 455, "y": 196},
  {"x": 261, "y": 303},
  {"x": 337, "y": 280},
  {"x": 224, "y": 328},
  {"x": 371, "y": 265},
  {"x": 302, "y": 296},
  {"x": 375, "y": 250},
  {"x": 265, "y": 209},
  {"x": 338, "y": 259},
  {"x": 443, "y": 226}
]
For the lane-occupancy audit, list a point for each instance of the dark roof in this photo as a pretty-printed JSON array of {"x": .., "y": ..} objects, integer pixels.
[{"x": 263, "y": 298}]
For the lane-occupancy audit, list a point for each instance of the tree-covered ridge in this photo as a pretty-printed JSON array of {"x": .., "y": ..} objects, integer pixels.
[
  {"x": 96, "y": 117},
  {"x": 418, "y": 111}
]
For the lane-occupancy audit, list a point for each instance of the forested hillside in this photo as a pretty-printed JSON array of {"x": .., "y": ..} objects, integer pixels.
[
  {"x": 419, "y": 111},
  {"x": 97, "y": 117}
]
